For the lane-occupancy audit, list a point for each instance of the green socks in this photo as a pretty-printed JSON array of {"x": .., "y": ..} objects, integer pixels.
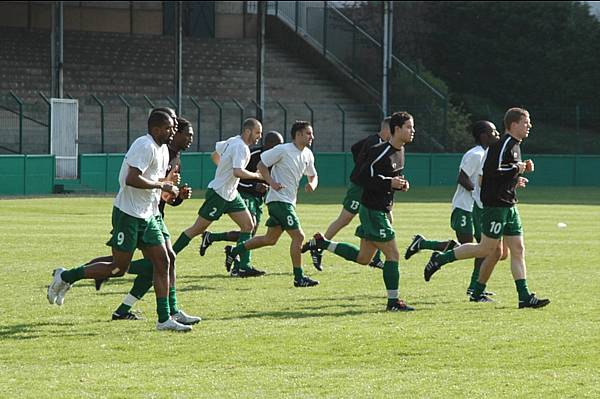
[
  {"x": 162, "y": 309},
  {"x": 446, "y": 257},
  {"x": 391, "y": 278},
  {"x": 522, "y": 289},
  {"x": 244, "y": 255},
  {"x": 173, "y": 300},
  {"x": 298, "y": 273},
  {"x": 432, "y": 245},
  {"x": 214, "y": 237},
  {"x": 474, "y": 277},
  {"x": 479, "y": 289},
  {"x": 181, "y": 243},
  {"x": 73, "y": 275},
  {"x": 346, "y": 251},
  {"x": 142, "y": 267}
]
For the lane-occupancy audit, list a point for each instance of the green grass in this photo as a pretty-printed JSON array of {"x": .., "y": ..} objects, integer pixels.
[{"x": 264, "y": 338}]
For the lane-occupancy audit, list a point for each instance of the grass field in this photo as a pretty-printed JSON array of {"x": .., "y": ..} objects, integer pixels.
[{"x": 264, "y": 338}]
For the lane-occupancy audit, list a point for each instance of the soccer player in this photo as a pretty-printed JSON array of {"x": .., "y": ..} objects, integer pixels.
[
  {"x": 380, "y": 175},
  {"x": 288, "y": 163},
  {"x": 182, "y": 140},
  {"x": 253, "y": 192},
  {"x": 351, "y": 202},
  {"x": 232, "y": 157},
  {"x": 466, "y": 203},
  {"x": 502, "y": 173},
  {"x": 136, "y": 221}
]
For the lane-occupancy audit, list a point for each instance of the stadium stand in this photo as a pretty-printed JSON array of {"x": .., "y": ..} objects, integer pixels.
[{"x": 137, "y": 65}]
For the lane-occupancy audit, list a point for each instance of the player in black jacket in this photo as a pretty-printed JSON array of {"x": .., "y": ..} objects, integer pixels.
[
  {"x": 380, "y": 175},
  {"x": 351, "y": 203},
  {"x": 502, "y": 174},
  {"x": 253, "y": 193}
]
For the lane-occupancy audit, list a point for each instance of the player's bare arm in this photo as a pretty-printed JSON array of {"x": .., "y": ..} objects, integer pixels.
[{"x": 266, "y": 176}]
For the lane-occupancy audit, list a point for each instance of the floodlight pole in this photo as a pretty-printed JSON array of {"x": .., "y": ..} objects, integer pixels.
[
  {"x": 260, "y": 59},
  {"x": 56, "y": 49},
  {"x": 178, "y": 55},
  {"x": 387, "y": 55}
]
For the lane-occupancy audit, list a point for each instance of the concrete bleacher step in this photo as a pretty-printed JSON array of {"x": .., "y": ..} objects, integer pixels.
[{"x": 109, "y": 64}]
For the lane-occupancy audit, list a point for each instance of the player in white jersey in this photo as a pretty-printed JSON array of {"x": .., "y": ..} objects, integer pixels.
[
  {"x": 288, "y": 163},
  {"x": 232, "y": 157},
  {"x": 136, "y": 221}
]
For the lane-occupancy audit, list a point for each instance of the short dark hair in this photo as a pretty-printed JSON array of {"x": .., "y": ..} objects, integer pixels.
[
  {"x": 385, "y": 121},
  {"x": 166, "y": 110},
  {"x": 250, "y": 123},
  {"x": 399, "y": 119},
  {"x": 157, "y": 119},
  {"x": 273, "y": 138},
  {"x": 182, "y": 124},
  {"x": 298, "y": 125},
  {"x": 514, "y": 115},
  {"x": 479, "y": 128}
]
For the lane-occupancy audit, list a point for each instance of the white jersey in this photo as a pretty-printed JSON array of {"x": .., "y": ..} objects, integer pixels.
[
  {"x": 288, "y": 164},
  {"x": 234, "y": 154},
  {"x": 472, "y": 165},
  {"x": 152, "y": 160}
]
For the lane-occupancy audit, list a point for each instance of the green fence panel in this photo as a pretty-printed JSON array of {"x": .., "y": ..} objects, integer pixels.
[
  {"x": 552, "y": 170},
  {"x": 93, "y": 171},
  {"x": 12, "y": 178},
  {"x": 586, "y": 170},
  {"x": 444, "y": 169},
  {"x": 39, "y": 174},
  {"x": 191, "y": 169},
  {"x": 416, "y": 169},
  {"x": 331, "y": 168},
  {"x": 113, "y": 167},
  {"x": 208, "y": 170}
]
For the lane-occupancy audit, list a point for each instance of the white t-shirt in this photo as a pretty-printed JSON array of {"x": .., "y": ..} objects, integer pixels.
[
  {"x": 150, "y": 158},
  {"x": 234, "y": 154},
  {"x": 472, "y": 165},
  {"x": 288, "y": 164}
]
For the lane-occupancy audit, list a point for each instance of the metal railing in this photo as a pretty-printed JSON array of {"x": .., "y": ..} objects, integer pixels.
[{"x": 111, "y": 123}]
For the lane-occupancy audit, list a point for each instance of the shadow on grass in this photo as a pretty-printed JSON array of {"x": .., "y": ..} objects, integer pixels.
[{"x": 41, "y": 330}]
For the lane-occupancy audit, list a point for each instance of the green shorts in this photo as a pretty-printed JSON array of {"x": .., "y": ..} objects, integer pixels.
[
  {"x": 461, "y": 221},
  {"x": 477, "y": 222},
  {"x": 214, "y": 205},
  {"x": 496, "y": 222},
  {"x": 129, "y": 232},
  {"x": 374, "y": 225},
  {"x": 282, "y": 214},
  {"x": 254, "y": 205},
  {"x": 352, "y": 199}
]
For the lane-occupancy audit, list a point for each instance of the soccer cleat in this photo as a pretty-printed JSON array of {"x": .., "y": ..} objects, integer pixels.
[
  {"x": 229, "y": 258},
  {"x": 305, "y": 282},
  {"x": 243, "y": 273},
  {"x": 99, "y": 282},
  {"x": 533, "y": 302},
  {"x": 57, "y": 288},
  {"x": 205, "y": 243},
  {"x": 486, "y": 293},
  {"x": 183, "y": 318},
  {"x": 451, "y": 244},
  {"x": 125, "y": 316},
  {"x": 376, "y": 263},
  {"x": 432, "y": 266},
  {"x": 398, "y": 306},
  {"x": 172, "y": 325},
  {"x": 413, "y": 248},
  {"x": 317, "y": 256},
  {"x": 315, "y": 243},
  {"x": 482, "y": 298}
]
